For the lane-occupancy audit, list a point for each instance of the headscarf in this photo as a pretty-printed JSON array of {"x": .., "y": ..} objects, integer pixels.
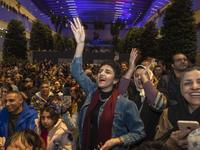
[{"x": 150, "y": 74}]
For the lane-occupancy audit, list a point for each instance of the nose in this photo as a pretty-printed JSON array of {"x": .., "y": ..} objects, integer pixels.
[
  {"x": 45, "y": 119},
  {"x": 102, "y": 73},
  {"x": 195, "y": 86}
]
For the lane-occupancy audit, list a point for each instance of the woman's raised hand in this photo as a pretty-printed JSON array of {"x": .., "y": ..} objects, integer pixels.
[
  {"x": 145, "y": 72},
  {"x": 134, "y": 56},
  {"x": 78, "y": 31}
]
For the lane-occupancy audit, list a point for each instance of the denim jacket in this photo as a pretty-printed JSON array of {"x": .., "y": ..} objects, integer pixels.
[{"x": 126, "y": 123}]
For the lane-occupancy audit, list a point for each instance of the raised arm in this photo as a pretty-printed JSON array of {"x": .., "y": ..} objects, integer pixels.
[
  {"x": 79, "y": 34},
  {"x": 157, "y": 99},
  {"x": 134, "y": 56},
  {"x": 124, "y": 82},
  {"x": 76, "y": 67}
]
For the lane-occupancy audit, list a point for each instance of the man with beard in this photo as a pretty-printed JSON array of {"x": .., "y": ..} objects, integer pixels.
[
  {"x": 15, "y": 116},
  {"x": 171, "y": 81},
  {"x": 41, "y": 97}
]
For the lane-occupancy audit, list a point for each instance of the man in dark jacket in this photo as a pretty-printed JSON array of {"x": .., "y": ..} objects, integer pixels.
[
  {"x": 29, "y": 91},
  {"x": 171, "y": 81},
  {"x": 16, "y": 115}
]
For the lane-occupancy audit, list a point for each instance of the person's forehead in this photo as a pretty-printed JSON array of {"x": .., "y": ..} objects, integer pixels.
[
  {"x": 106, "y": 67},
  {"x": 45, "y": 85},
  {"x": 45, "y": 113},
  {"x": 139, "y": 70},
  {"x": 11, "y": 95},
  {"x": 192, "y": 74},
  {"x": 179, "y": 56}
]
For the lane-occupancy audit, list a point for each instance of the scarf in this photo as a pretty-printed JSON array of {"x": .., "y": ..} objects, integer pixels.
[
  {"x": 43, "y": 135},
  {"x": 151, "y": 78},
  {"x": 105, "y": 122}
]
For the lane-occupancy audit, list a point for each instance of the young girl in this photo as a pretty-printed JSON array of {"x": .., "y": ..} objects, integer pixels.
[
  {"x": 107, "y": 119},
  {"x": 53, "y": 131}
]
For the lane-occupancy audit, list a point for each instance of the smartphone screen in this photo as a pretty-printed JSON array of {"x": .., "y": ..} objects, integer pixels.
[{"x": 66, "y": 92}]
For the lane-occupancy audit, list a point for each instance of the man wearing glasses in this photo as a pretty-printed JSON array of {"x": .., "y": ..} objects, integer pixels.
[{"x": 171, "y": 81}]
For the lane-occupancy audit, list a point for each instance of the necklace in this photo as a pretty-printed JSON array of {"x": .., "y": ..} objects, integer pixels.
[{"x": 103, "y": 100}]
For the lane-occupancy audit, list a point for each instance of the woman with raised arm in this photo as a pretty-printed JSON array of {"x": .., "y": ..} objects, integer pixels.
[
  {"x": 149, "y": 100},
  {"x": 107, "y": 119}
]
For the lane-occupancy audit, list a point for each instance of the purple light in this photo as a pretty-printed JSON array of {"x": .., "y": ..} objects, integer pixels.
[{"x": 155, "y": 6}]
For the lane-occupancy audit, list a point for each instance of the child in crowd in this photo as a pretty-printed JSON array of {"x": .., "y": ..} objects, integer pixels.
[{"x": 53, "y": 131}]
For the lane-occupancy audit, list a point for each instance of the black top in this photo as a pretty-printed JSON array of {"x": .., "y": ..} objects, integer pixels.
[
  {"x": 94, "y": 116},
  {"x": 148, "y": 114},
  {"x": 12, "y": 121}
]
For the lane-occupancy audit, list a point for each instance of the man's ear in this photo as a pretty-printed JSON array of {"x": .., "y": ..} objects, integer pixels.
[
  {"x": 172, "y": 65},
  {"x": 21, "y": 100}
]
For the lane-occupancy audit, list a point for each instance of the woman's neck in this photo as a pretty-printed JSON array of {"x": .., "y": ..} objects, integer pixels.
[{"x": 105, "y": 95}]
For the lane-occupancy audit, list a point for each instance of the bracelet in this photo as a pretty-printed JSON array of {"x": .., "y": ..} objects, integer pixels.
[{"x": 121, "y": 140}]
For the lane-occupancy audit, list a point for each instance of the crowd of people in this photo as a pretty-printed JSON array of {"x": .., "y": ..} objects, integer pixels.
[{"x": 132, "y": 105}]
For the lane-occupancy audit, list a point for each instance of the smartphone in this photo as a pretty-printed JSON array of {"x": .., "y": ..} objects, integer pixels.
[
  {"x": 66, "y": 93},
  {"x": 184, "y": 125}
]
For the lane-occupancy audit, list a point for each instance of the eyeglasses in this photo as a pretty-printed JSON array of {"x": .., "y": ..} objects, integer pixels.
[{"x": 4, "y": 91}]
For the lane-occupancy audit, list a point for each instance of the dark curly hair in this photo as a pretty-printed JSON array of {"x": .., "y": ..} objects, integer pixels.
[
  {"x": 52, "y": 111},
  {"x": 115, "y": 66}
]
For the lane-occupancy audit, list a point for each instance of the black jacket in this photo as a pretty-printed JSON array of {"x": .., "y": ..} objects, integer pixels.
[{"x": 172, "y": 84}]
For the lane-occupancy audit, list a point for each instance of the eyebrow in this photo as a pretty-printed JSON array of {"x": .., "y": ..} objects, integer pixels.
[
  {"x": 191, "y": 79},
  {"x": 105, "y": 70},
  {"x": 109, "y": 70}
]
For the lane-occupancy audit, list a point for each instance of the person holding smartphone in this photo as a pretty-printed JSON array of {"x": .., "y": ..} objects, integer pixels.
[{"x": 187, "y": 109}]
